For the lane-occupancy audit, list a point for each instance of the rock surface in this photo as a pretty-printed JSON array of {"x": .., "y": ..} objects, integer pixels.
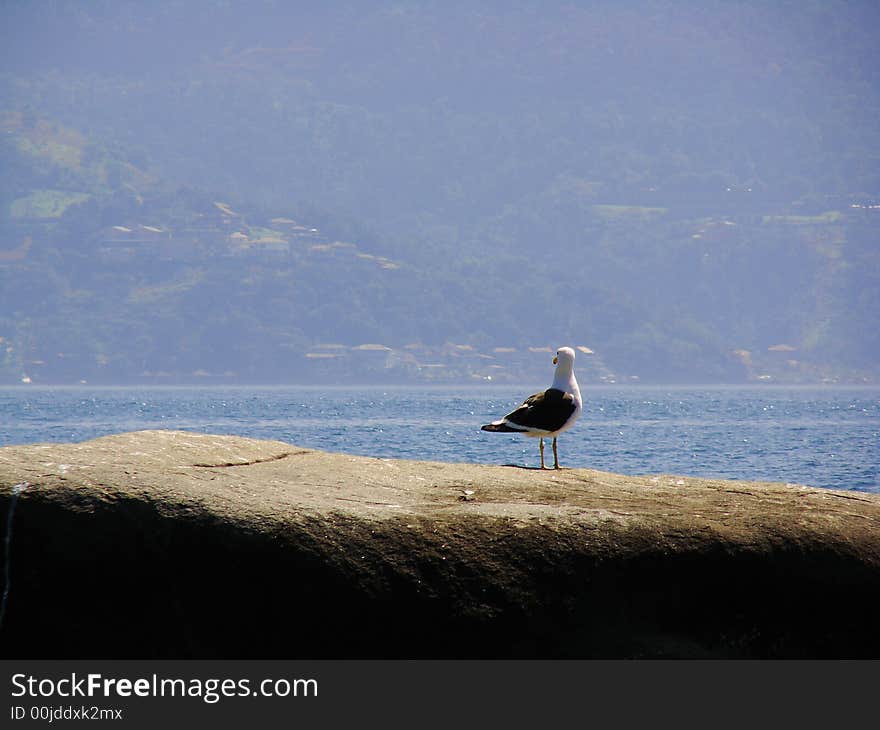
[{"x": 185, "y": 545}]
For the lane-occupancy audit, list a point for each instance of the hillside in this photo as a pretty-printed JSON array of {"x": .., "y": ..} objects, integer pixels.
[{"x": 287, "y": 195}]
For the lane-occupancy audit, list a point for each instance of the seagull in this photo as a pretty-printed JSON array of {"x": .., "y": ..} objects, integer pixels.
[{"x": 549, "y": 413}]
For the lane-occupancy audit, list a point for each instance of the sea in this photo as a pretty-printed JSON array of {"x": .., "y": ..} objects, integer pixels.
[{"x": 819, "y": 436}]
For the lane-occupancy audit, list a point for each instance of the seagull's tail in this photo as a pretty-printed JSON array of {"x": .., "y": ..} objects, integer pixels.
[{"x": 499, "y": 426}]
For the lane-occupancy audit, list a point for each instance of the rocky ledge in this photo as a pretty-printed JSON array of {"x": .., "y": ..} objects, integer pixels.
[{"x": 173, "y": 544}]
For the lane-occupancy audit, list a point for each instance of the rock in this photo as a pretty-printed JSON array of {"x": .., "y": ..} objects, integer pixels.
[{"x": 174, "y": 544}]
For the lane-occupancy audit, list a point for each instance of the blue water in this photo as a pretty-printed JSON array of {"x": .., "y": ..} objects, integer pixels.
[{"x": 820, "y": 437}]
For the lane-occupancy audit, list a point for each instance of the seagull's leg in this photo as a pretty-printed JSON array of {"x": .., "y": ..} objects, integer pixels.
[
  {"x": 541, "y": 447},
  {"x": 555, "y": 455}
]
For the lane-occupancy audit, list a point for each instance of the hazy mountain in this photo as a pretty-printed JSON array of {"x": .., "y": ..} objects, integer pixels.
[{"x": 689, "y": 190}]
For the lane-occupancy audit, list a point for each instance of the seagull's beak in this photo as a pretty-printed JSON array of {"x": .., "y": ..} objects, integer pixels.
[{"x": 555, "y": 359}]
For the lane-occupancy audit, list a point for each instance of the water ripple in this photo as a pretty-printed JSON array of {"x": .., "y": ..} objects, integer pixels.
[{"x": 821, "y": 437}]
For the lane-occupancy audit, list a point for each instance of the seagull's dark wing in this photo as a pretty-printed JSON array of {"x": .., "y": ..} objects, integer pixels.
[{"x": 546, "y": 411}]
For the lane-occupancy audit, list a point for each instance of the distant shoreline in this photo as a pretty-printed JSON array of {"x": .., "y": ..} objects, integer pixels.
[{"x": 19, "y": 387}]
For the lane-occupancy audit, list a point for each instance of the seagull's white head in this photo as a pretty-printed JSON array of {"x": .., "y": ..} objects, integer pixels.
[{"x": 564, "y": 355}]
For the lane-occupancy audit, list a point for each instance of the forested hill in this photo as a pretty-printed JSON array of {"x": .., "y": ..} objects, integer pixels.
[{"x": 403, "y": 191}]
